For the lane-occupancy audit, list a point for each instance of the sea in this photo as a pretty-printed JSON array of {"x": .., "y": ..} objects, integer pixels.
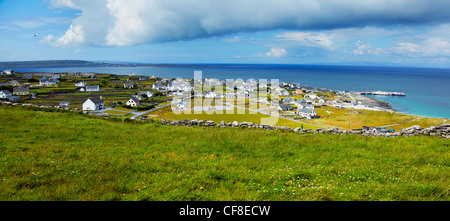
[{"x": 427, "y": 89}]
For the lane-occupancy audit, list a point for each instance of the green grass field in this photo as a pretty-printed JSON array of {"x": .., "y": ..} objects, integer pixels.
[{"x": 68, "y": 156}]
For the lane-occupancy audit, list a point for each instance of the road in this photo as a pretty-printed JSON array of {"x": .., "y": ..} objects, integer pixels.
[{"x": 138, "y": 114}]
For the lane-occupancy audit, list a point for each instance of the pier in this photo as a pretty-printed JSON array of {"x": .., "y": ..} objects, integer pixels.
[{"x": 384, "y": 93}]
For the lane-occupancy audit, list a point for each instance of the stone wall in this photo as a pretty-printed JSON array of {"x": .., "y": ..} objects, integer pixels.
[{"x": 442, "y": 130}]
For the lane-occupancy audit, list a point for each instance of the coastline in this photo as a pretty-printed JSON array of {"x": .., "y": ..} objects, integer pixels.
[{"x": 370, "y": 101}]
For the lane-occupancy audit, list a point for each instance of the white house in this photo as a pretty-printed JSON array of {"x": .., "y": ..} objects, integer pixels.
[
  {"x": 148, "y": 93},
  {"x": 9, "y": 72},
  {"x": 211, "y": 94},
  {"x": 179, "y": 84},
  {"x": 93, "y": 88},
  {"x": 45, "y": 81},
  {"x": 307, "y": 111},
  {"x": 64, "y": 103},
  {"x": 5, "y": 94},
  {"x": 288, "y": 100},
  {"x": 157, "y": 86},
  {"x": 285, "y": 107},
  {"x": 133, "y": 102},
  {"x": 128, "y": 85},
  {"x": 283, "y": 92},
  {"x": 27, "y": 76},
  {"x": 180, "y": 106},
  {"x": 93, "y": 104},
  {"x": 80, "y": 84}
]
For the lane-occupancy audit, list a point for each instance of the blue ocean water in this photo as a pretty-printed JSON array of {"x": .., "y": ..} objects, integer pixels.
[{"x": 427, "y": 89}]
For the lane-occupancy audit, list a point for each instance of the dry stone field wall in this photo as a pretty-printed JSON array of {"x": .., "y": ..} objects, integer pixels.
[{"x": 442, "y": 130}]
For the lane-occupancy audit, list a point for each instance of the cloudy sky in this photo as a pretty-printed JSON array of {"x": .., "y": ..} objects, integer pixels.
[{"x": 337, "y": 32}]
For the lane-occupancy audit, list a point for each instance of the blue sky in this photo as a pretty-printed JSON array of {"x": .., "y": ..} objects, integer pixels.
[{"x": 380, "y": 33}]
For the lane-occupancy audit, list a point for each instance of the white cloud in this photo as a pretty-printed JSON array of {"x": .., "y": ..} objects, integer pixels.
[
  {"x": 366, "y": 48},
  {"x": 232, "y": 40},
  {"x": 131, "y": 22},
  {"x": 276, "y": 52},
  {"x": 308, "y": 38},
  {"x": 435, "y": 42},
  {"x": 47, "y": 39}
]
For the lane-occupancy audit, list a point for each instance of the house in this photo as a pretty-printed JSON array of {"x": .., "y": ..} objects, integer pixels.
[
  {"x": 307, "y": 112},
  {"x": 14, "y": 83},
  {"x": 64, "y": 103},
  {"x": 56, "y": 76},
  {"x": 14, "y": 98},
  {"x": 211, "y": 94},
  {"x": 133, "y": 102},
  {"x": 288, "y": 100},
  {"x": 93, "y": 77},
  {"x": 299, "y": 102},
  {"x": 27, "y": 76},
  {"x": 153, "y": 77},
  {"x": 311, "y": 96},
  {"x": 299, "y": 91},
  {"x": 80, "y": 84},
  {"x": 149, "y": 94},
  {"x": 180, "y": 106},
  {"x": 283, "y": 92},
  {"x": 285, "y": 107},
  {"x": 165, "y": 80},
  {"x": 142, "y": 78},
  {"x": 307, "y": 89},
  {"x": 45, "y": 81},
  {"x": 5, "y": 94},
  {"x": 139, "y": 97},
  {"x": 93, "y": 104},
  {"x": 9, "y": 72},
  {"x": 156, "y": 86},
  {"x": 128, "y": 85},
  {"x": 93, "y": 88},
  {"x": 305, "y": 105},
  {"x": 21, "y": 91},
  {"x": 179, "y": 84}
]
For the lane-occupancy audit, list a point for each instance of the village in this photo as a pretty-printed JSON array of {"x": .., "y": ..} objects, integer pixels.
[
  {"x": 149, "y": 97},
  {"x": 114, "y": 94}
]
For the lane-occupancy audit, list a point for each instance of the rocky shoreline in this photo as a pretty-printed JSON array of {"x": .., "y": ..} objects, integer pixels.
[{"x": 369, "y": 101}]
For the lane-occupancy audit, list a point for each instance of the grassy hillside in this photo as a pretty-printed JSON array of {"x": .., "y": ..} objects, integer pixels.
[{"x": 68, "y": 156}]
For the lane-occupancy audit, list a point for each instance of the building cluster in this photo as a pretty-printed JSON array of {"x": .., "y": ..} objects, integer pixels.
[{"x": 289, "y": 98}]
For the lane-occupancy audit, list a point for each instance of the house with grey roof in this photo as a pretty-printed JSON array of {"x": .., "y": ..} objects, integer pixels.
[
  {"x": 80, "y": 84},
  {"x": 128, "y": 85},
  {"x": 48, "y": 81},
  {"x": 288, "y": 100},
  {"x": 285, "y": 107},
  {"x": 93, "y": 104},
  {"x": 93, "y": 88},
  {"x": 64, "y": 103},
  {"x": 5, "y": 94},
  {"x": 133, "y": 102},
  {"x": 307, "y": 110},
  {"x": 27, "y": 76},
  {"x": 21, "y": 91}
]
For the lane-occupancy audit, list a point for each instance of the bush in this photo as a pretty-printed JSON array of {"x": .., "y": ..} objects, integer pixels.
[{"x": 147, "y": 107}]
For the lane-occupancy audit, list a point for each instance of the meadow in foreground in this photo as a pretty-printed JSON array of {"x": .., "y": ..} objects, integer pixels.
[{"x": 68, "y": 156}]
